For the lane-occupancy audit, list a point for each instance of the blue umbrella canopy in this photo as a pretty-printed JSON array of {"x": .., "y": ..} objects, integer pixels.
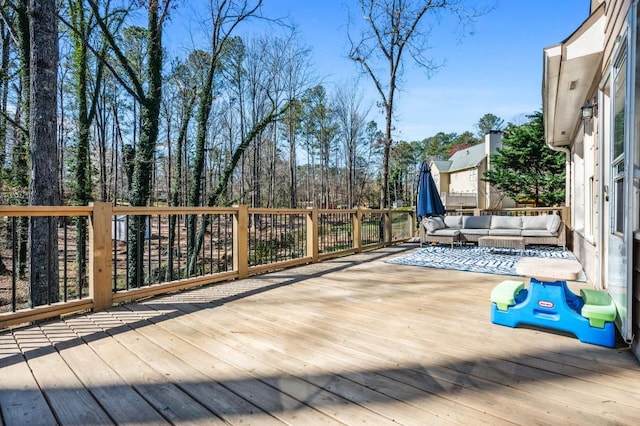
[{"x": 429, "y": 202}]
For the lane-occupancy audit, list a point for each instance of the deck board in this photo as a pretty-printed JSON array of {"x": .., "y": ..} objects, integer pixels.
[
  {"x": 71, "y": 402},
  {"x": 409, "y": 345},
  {"x": 349, "y": 341},
  {"x": 341, "y": 385},
  {"x": 305, "y": 392},
  {"x": 21, "y": 401}
]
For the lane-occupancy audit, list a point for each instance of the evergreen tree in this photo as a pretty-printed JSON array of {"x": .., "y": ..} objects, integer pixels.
[
  {"x": 525, "y": 169},
  {"x": 487, "y": 123},
  {"x": 462, "y": 141},
  {"x": 436, "y": 147}
]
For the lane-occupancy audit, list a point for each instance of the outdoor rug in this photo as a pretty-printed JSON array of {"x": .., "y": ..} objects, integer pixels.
[{"x": 478, "y": 259}]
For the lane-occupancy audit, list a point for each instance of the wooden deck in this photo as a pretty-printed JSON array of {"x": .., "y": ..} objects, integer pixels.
[{"x": 348, "y": 341}]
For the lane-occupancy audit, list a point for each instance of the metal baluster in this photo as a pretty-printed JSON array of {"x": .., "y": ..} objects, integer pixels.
[
  {"x": 14, "y": 268},
  {"x": 64, "y": 266},
  {"x": 159, "y": 267},
  {"x": 114, "y": 227}
]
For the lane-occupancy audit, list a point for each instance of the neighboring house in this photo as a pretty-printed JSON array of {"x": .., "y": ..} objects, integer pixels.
[
  {"x": 591, "y": 96},
  {"x": 459, "y": 179}
]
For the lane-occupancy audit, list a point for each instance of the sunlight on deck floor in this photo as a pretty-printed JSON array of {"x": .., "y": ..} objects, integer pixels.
[{"x": 349, "y": 341}]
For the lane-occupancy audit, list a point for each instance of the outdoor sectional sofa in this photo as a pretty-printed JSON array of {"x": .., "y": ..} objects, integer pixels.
[{"x": 542, "y": 229}]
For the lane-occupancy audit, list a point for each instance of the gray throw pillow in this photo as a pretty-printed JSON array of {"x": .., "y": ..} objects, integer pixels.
[
  {"x": 432, "y": 224},
  {"x": 553, "y": 224}
]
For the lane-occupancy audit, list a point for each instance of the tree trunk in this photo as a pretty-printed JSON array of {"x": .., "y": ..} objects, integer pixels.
[
  {"x": 83, "y": 184},
  {"x": 385, "y": 161},
  {"x": 43, "y": 262},
  {"x": 227, "y": 173},
  {"x": 177, "y": 183},
  {"x": 149, "y": 114},
  {"x": 4, "y": 95},
  {"x": 293, "y": 183},
  {"x": 204, "y": 111}
]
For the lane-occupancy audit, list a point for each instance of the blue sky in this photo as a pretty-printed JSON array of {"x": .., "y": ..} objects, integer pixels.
[{"x": 497, "y": 69}]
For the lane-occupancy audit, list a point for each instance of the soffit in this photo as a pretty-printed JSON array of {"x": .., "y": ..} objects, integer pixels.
[{"x": 570, "y": 69}]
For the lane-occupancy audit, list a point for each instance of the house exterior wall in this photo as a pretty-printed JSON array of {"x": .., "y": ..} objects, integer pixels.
[
  {"x": 483, "y": 195},
  {"x": 492, "y": 198},
  {"x": 595, "y": 214},
  {"x": 635, "y": 345},
  {"x": 438, "y": 178},
  {"x": 583, "y": 201},
  {"x": 617, "y": 27},
  {"x": 464, "y": 181}
]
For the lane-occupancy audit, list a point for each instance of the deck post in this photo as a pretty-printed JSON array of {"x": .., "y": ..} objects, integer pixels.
[
  {"x": 100, "y": 262},
  {"x": 312, "y": 234},
  {"x": 241, "y": 241},
  {"x": 413, "y": 226},
  {"x": 565, "y": 214},
  {"x": 357, "y": 230},
  {"x": 387, "y": 227}
]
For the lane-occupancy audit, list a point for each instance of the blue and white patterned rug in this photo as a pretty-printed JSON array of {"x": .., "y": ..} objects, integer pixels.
[{"x": 478, "y": 259}]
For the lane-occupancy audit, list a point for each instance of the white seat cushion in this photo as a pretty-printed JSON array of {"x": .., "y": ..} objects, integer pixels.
[
  {"x": 476, "y": 222},
  {"x": 536, "y": 222},
  {"x": 453, "y": 221},
  {"x": 506, "y": 222}
]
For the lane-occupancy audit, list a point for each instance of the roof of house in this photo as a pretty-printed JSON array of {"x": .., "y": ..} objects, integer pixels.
[
  {"x": 463, "y": 159},
  {"x": 442, "y": 165}
]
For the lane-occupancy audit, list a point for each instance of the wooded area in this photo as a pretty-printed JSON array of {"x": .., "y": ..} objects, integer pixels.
[
  {"x": 93, "y": 109},
  {"x": 236, "y": 120},
  {"x": 245, "y": 121}
]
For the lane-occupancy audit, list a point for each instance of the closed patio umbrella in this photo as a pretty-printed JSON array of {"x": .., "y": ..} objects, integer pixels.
[{"x": 429, "y": 202}]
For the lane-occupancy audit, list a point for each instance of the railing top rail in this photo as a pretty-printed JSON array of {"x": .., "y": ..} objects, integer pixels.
[
  {"x": 530, "y": 208},
  {"x": 266, "y": 210},
  {"x": 331, "y": 211},
  {"x": 10, "y": 210},
  {"x": 18, "y": 211},
  {"x": 141, "y": 211},
  {"x": 525, "y": 209}
]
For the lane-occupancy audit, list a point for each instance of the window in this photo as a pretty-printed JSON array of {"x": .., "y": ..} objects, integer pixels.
[
  {"x": 619, "y": 129},
  {"x": 591, "y": 210}
]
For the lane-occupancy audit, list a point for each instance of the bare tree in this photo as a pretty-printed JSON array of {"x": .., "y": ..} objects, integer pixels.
[
  {"x": 225, "y": 18},
  {"x": 393, "y": 27},
  {"x": 5, "y": 52},
  {"x": 321, "y": 124},
  {"x": 15, "y": 15},
  {"x": 81, "y": 28},
  {"x": 351, "y": 121},
  {"x": 44, "y": 189},
  {"x": 5, "y": 63},
  {"x": 296, "y": 75},
  {"x": 148, "y": 92}
]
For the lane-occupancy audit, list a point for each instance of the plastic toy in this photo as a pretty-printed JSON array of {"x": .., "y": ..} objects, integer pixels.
[{"x": 553, "y": 305}]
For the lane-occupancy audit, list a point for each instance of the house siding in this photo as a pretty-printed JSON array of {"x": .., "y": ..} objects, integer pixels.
[
  {"x": 635, "y": 346},
  {"x": 463, "y": 183},
  {"x": 589, "y": 163},
  {"x": 616, "y": 13}
]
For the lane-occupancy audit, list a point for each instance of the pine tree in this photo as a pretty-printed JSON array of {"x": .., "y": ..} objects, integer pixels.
[{"x": 525, "y": 169}]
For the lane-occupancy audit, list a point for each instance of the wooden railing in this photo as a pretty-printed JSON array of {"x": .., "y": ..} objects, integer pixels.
[
  {"x": 176, "y": 248},
  {"x": 563, "y": 211}
]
